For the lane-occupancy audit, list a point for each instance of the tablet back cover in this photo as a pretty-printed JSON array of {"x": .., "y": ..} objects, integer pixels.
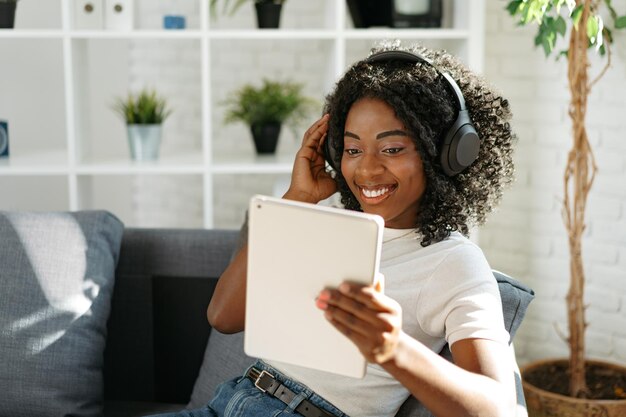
[{"x": 294, "y": 251}]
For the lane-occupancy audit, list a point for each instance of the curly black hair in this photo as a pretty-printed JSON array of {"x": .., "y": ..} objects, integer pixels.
[{"x": 423, "y": 102}]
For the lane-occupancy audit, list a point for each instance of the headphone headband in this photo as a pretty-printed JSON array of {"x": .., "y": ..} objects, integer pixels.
[
  {"x": 407, "y": 56},
  {"x": 459, "y": 146}
]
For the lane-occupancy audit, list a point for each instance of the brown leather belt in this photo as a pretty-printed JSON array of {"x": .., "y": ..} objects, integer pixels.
[{"x": 266, "y": 382}]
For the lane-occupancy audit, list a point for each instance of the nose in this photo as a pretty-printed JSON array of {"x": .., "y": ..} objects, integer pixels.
[{"x": 369, "y": 166}]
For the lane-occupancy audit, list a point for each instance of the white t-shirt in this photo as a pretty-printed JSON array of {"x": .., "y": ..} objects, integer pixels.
[{"x": 447, "y": 292}]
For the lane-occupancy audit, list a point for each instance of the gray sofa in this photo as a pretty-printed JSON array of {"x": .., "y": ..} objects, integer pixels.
[{"x": 157, "y": 330}]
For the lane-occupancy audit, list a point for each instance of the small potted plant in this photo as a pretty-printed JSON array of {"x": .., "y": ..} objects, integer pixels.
[
  {"x": 264, "y": 109},
  {"x": 7, "y": 13},
  {"x": 144, "y": 114},
  {"x": 267, "y": 11}
]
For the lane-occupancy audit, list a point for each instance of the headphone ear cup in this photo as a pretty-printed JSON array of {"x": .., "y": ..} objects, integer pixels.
[
  {"x": 329, "y": 153},
  {"x": 461, "y": 145}
]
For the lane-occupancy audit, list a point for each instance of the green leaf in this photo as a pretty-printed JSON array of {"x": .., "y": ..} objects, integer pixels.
[
  {"x": 144, "y": 108},
  {"x": 547, "y": 47},
  {"x": 592, "y": 28},
  {"x": 236, "y": 6},
  {"x": 600, "y": 37},
  {"x": 526, "y": 12},
  {"x": 577, "y": 13},
  {"x": 560, "y": 25},
  {"x": 513, "y": 7},
  {"x": 537, "y": 10},
  {"x": 620, "y": 22},
  {"x": 595, "y": 26},
  {"x": 550, "y": 38},
  {"x": 274, "y": 101}
]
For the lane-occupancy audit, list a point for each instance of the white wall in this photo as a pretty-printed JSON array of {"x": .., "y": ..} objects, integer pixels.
[{"x": 526, "y": 237}]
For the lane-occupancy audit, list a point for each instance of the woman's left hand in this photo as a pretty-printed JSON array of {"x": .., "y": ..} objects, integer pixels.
[{"x": 366, "y": 316}]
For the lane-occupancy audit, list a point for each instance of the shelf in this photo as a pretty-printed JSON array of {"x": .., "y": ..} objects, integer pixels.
[
  {"x": 246, "y": 34},
  {"x": 99, "y": 34},
  {"x": 166, "y": 164},
  {"x": 45, "y": 163},
  {"x": 55, "y": 163},
  {"x": 384, "y": 33},
  {"x": 252, "y": 164},
  {"x": 136, "y": 34},
  {"x": 30, "y": 34},
  {"x": 259, "y": 34}
]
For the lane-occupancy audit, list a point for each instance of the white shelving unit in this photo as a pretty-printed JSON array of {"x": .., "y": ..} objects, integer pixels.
[{"x": 73, "y": 160}]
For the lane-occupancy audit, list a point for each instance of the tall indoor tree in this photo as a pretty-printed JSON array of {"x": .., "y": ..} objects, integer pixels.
[{"x": 584, "y": 21}]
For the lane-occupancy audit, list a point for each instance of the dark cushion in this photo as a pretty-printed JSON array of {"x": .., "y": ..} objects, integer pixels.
[
  {"x": 156, "y": 320},
  {"x": 181, "y": 333},
  {"x": 56, "y": 275},
  {"x": 134, "y": 380},
  {"x": 129, "y": 353}
]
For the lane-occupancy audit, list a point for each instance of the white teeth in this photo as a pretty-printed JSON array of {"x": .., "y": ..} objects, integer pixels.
[{"x": 374, "y": 193}]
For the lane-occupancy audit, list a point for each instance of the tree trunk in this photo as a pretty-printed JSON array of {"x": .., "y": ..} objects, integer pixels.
[{"x": 579, "y": 175}]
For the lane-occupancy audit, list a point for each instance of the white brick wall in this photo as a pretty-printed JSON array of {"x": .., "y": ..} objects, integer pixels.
[
  {"x": 174, "y": 68},
  {"x": 526, "y": 237}
]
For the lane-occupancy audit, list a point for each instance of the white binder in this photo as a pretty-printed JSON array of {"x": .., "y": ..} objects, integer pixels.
[
  {"x": 118, "y": 15},
  {"x": 89, "y": 14}
]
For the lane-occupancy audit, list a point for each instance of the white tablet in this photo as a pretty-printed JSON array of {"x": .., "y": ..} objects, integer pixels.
[{"x": 294, "y": 251}]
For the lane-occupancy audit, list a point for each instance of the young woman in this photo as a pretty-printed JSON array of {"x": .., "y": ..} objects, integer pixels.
[{"x": 396, "y": 135}]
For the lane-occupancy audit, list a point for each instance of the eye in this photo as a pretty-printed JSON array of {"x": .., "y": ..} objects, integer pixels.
[
  {"x": 351, "y": 152},
  {"x": 392, "y": 151}
]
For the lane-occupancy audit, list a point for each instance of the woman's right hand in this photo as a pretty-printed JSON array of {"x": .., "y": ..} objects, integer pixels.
[{"x": 309, "y": 180}]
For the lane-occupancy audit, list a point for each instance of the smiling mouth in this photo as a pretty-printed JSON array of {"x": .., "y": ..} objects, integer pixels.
[{"x": 373, "y": 195}]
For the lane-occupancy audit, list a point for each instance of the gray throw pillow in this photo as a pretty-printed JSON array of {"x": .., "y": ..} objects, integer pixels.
[
  {"x": 224, "y": 359},
  {"x": 56, "y": 280}
]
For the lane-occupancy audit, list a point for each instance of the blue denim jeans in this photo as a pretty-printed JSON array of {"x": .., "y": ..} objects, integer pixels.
[{"x": 240, "y": 398}]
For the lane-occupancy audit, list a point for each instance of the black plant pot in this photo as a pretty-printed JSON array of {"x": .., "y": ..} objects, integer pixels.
[
  {"x": 265, "y": 136},
  {"x": 268, "y": 14},
  {"x": 368, "y": 13},
  {"x": 7, "y": 15}
]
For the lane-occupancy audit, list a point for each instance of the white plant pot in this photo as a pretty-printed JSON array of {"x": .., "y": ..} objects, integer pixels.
[{"x": 144, "y": 141}]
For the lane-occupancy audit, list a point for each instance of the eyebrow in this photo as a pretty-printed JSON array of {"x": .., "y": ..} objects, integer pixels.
[{"x": 381, "y": 135}]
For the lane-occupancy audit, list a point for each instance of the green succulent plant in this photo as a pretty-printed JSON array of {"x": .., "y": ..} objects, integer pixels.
[
  {"x": 273, "y": 102},
  {"x": 145, "y": 107}
]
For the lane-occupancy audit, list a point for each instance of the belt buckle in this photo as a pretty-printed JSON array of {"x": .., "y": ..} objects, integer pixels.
[{"x": 258, "y": 378}]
